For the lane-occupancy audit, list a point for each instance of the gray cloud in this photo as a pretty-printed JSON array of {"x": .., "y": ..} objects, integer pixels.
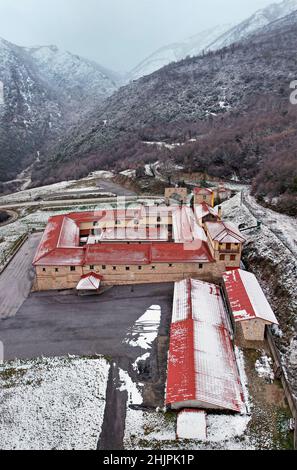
[{"x": 115, "y": 33}]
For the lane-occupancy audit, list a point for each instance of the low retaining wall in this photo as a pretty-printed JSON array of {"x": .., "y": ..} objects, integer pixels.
[
  {"x": 11, "y": 254},
  {"x": 282, "y": 376}
]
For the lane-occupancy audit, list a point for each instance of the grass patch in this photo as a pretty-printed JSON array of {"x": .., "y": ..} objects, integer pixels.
[{"x": 11, "y": 377}]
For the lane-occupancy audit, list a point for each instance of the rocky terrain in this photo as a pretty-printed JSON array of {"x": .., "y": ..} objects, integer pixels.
[{"x": 270, "y": 253}]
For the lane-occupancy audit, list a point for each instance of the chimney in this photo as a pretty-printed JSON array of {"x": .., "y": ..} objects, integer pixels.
[{"x": 220, "y": 212}]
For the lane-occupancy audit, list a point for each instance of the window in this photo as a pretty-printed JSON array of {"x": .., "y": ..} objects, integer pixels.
[
  {"x": 72, "y": 268},
  {"x": 56, "y": 270},
  {"x": 222, "y": 257},
  {"x": 92, "y": 267},
  {"x": 159, "y": 219},
  {"x": 228, "y": 246},
  {"x": 233, "y": 258},
  {"x": 114, "y": 268},
  {"x": 127, "y": 268},
  {"x": 153, "y": 268},
  {"x": 44, "y": 270},
  {"x": 104, "y": 267},
  {"x": 200, "y": 266},
  {"x": 139, "y": 268},
  {"x": 170, "y": 265}
]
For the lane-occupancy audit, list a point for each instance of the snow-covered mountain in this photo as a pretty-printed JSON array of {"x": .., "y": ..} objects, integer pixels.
[
  {"x": 45, "y": 91},
  {"x": 212, "y": 39},
  {"x": 258, "y": 20},
  {"x": 174, "y": 52},
  {"x": 74, "y": 74}
]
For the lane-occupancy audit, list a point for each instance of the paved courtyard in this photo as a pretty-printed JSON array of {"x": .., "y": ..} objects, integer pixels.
[{"x": 56, "y": 324}]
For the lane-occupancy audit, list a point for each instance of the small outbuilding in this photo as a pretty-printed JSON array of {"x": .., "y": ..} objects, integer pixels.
[
  {"x": 249, "y": 307},
  {"x": 178, "y": 194},
  {"x": 204, "y": 195},
  {"x": 89, "y": 282},
  {"x": 191, "y": 424}
]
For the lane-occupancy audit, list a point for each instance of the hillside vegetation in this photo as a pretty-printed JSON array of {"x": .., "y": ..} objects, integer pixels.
[{"x": 234, "y": 102}]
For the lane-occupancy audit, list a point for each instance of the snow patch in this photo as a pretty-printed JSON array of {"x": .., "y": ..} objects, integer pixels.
[
  {"x": 264, "y": 368},
  {"x": 52, "y": 403},
  {"x": 145, "y": 330},
  {"x": 127, "y": 384}
]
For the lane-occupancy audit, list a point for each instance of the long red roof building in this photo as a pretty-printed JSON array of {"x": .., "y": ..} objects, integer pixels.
[{"x": 202, "y": 369}]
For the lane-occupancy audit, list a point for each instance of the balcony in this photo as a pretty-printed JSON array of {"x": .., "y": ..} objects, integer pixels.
[{"x": 231, "y": 251}]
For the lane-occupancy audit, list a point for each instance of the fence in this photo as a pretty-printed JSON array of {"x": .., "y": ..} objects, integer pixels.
[{"x": 280, "y": 373}]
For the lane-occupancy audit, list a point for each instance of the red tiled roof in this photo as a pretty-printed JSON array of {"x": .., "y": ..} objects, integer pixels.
[
  {"x": 224, "y": 232},
  {"x": 202, "y": 210},
  {"x": 90, "y": 281},
  {"x": 202, "y": 191},
  {"x": 185, "y": 228},
  {"x": 60, "y": 247},
  {"x": 62, "y": 257},
  {"x": 179, "y": 253},
  {"x": 61, "y": 233},
  {"x": 202, "y": 369},
  {"x": 246, "y": 298},
  {"x": 118, "y": 254}
]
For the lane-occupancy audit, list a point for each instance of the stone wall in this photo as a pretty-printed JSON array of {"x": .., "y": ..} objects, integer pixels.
[{"x": 61, "y": 277}]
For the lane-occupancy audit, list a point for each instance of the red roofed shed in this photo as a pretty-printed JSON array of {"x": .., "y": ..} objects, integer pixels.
[{"x": 248, "y": 304}]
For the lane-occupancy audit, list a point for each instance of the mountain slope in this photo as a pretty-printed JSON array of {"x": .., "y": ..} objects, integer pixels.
[
  {"x": 233, "y": 102},
  {"x": 258, "y": 20},
  {"x": 73, "y": 74},
  {"x": 175, "y": 52},
  {"x": 44, "y": 92},
  {"x": 212, "y": 39}
]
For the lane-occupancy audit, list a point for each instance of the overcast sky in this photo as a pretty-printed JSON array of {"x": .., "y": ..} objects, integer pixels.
[{"x": 116, "y": 33}]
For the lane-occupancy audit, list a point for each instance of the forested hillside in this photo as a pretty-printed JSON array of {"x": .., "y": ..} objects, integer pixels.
[{"x": 234, "y": 102}]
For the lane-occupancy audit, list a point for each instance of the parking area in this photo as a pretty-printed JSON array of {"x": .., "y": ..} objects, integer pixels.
[
  {"x": 56, "y": 324},
  {"x": 110, "y": 186}
]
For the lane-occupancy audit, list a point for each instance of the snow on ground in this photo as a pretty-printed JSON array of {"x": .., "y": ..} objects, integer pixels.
[
  {"x": 52, "y": 403},
  {"x": 37, "y": 220},
  {"x": 243, "y": 378},
  {"x": 100, "y": 174},
  {"x": 157, "y": 430},
  {"x": 152, "y": 427},
  {"x": 129, "y": 173},
  {"x": 221, "y": 428},
  {"x": 31, "y": 194},
  {"x": 134, "y": 394},
  {"x": 140, "y": 359},
  {"x": 284, "y": 226},
  {"x": 63, "y": 186},
  {"x": 145, "y": 330},
  {"x": 264, "y": 368},
  {"x": 266, "y": 247}
]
